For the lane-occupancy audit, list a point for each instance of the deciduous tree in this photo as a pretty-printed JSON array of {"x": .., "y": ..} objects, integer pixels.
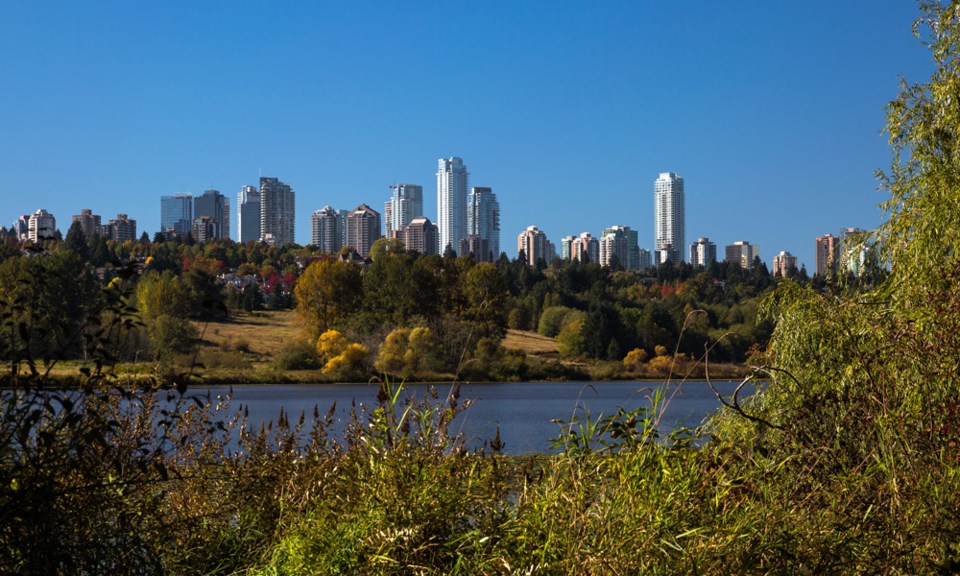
[{"x": 327, "y": 294}]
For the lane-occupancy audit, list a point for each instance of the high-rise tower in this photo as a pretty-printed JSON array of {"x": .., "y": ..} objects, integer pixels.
[
  {"x": 669, "y": 216},
  {"x": 216, "y": 207},
  {"x": 585, "y": 248},
  {"x": 121, "y": 229},
  {"x": 828, "y": 247},
  {"x": 176, "y": 214},
  {"x": 404, "y": 205},
  {"x": 327, "y": 230},
  {"x": 783, "y": 264},
  {"x": 363, "y": 229},
  {"x": 42, "y": 226},
  {"x": 483, "y": 220},
  {"x": 533, "y": 244},
  {"x": 742, "y": 253},
  {"x": 703, "y": 252},
  {"x": 452, "y": 179},
  {"x": 89, "y": 222},
  {"x": 248, "y": 214},
  {"x": 420, "y": 236},
  {"x": 276, "y": 212},
  {"x": 619, "y": 244}
]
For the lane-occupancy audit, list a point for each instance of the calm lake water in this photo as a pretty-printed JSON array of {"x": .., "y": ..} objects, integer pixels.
[{"x": 524, "y": 411}]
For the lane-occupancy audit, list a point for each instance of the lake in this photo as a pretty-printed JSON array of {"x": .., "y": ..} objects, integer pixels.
[{"x": 524, "y": 411}]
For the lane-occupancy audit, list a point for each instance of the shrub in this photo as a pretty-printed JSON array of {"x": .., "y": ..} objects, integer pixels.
[
  {"x": 348, "y": 364},
  {"x": 223, "y": 359},
  {"x": 242, "y": 345},
  {"x": 635, "y": 358},
  {"x": 330, "y": 344},
  {"x": 296, "y": 356},
  {"x": 171, "y": 335}
]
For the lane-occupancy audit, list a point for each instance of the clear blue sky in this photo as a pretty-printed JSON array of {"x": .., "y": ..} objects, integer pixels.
[{"x": 771, "y": 111}]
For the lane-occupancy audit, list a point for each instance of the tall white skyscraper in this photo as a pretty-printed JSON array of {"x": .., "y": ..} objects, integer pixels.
[
  {"x": 404, "y": 205},
  {"x": 669, "y": 216},
  {"x": 452, "y": 179},
  {"x": 483, "y": 220}
]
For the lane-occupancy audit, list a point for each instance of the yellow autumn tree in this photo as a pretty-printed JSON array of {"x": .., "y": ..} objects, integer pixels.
[
  {"x": 330, "y": 344},
  {"x": 348, "y": 364},
  {"x": 635, "y": 358}
]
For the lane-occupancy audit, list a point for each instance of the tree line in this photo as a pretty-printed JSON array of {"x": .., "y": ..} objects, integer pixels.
[{"x": 595, "y": 313}]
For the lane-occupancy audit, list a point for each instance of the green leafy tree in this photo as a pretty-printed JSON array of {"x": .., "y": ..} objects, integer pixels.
[
  {"x": 251, "y": 299},
  {"x": 421, "y": 349},
  {"x": 327, "y": 294},
  {"x": 406, "y": 351},
  {"x": 600, "y": 328},
  {"x": 390, "y": 291},
  {"x": 53, "y": 300},
  {"x": 486, "y": 296},
  {"x": 519, "y": 318},
  {"x": 571, "y": 342},
  {"x": 553, "y": 319},
  {"x": 384, "y": 246},
  {"x": 164, "y": 303},
  {"x": 161, "y": 294},
  {"x": 205, "y": 293},
  {"x": 170, "y": 335}
]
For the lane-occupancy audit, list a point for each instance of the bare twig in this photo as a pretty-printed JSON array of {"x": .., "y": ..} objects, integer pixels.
[{"x": 735, "y": 405}]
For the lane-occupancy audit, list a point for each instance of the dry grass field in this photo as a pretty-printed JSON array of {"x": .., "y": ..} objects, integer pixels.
[
  {"x": 531, "y": 343},
  {"x": 262, "y": 334}
]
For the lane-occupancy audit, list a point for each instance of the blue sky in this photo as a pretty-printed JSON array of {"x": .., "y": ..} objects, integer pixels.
[{"x": 771, "y": 111}]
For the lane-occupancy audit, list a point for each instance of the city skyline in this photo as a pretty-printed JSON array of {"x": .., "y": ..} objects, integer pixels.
[
  {"x": 480, "y": 212},
  {"x": 764, "y": 110}
]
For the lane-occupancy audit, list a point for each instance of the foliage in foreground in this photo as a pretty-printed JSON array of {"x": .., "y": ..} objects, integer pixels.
[{"x": 847, "y": 462}]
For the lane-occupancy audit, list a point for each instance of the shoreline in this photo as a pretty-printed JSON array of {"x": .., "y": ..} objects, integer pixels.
[{"x": 69, "y": 375}]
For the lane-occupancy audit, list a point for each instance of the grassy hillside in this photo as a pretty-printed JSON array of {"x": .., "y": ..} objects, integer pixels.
[
  {"x": 531, "y": 343},
  {"x": 260, "y": 335}
]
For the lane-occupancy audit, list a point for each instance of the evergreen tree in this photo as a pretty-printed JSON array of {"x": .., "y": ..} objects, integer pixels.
[{"x": 76, "y": 241}]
